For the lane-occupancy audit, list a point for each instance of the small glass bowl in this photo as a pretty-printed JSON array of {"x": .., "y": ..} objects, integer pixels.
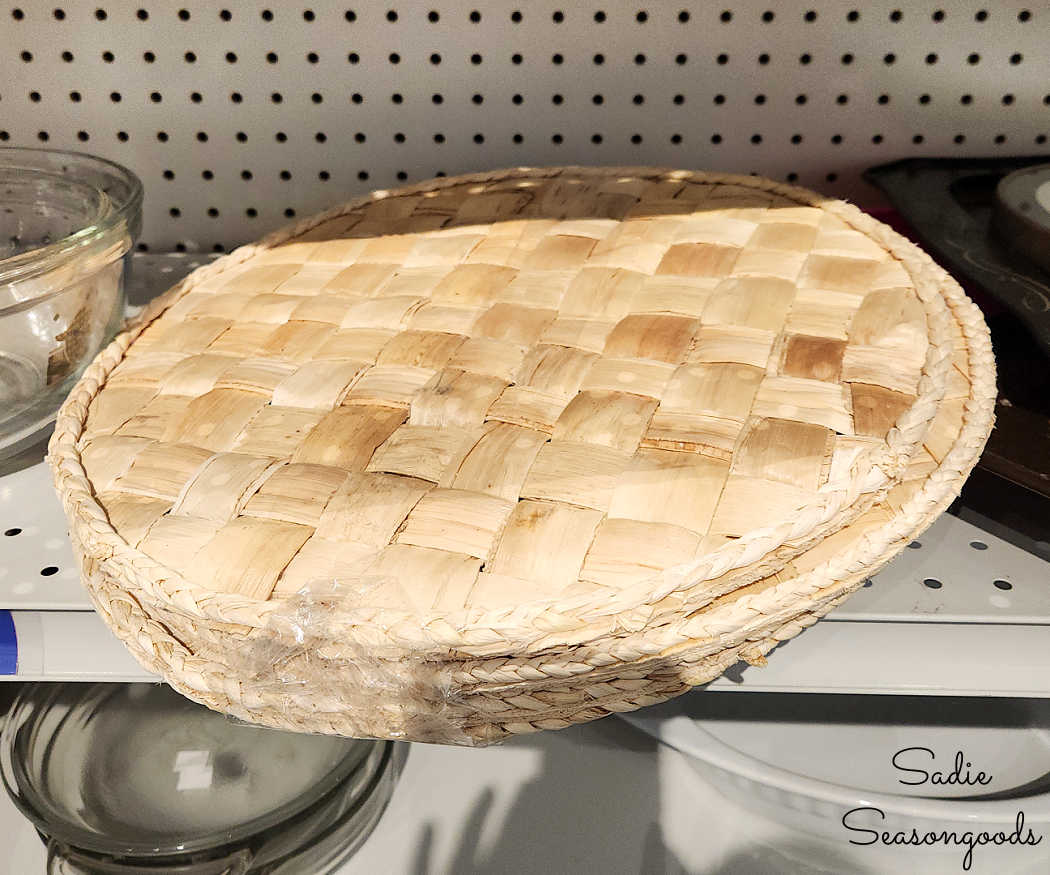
[
  {"x": 67, "y": 224},
  {"x": 125, "y": 779}
]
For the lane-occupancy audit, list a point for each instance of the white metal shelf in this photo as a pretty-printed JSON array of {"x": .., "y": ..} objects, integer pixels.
[{"x": 985, "y": 630}]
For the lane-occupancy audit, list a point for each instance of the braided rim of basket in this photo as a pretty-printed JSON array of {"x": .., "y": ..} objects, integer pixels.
[
  {"x": 158, "y": 582},
  {"x": 693, "y": 663}
]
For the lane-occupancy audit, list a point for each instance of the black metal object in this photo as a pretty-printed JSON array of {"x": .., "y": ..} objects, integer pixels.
[
  {"x": 950, "y": 202},
  {"x": 950, "y": 207}
]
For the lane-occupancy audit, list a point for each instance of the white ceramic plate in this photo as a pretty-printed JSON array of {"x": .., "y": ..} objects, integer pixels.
[{"x": 848, "y": 769}]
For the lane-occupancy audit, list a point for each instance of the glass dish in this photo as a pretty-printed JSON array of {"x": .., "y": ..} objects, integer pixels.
[
  {"x": 126, "y": 778},
  {"x": 67, "y": 224}
]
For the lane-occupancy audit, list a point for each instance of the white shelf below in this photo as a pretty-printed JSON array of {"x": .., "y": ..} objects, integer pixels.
[{"x": 985, "y": 630}]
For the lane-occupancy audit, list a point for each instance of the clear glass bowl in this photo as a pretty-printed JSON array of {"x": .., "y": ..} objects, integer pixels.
[
  {"x": 131, "y": 778},
  {"x": 67, "y": 224}
]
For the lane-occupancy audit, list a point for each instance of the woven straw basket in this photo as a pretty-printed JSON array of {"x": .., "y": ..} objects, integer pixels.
[{"x": 512, "y": 451}]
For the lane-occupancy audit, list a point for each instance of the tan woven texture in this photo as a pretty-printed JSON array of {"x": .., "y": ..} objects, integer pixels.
[
  {"x": 482, "y": 701},
  {"x": 569, "y": 414}
]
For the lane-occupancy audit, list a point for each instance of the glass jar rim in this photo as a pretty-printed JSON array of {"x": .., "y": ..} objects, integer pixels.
[
  {"x": 116, "y": 221},
  {"x": 34, "y": 701}
]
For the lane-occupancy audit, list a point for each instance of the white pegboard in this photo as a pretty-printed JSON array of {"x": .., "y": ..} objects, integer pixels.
[{"x": 187, "y": 94}]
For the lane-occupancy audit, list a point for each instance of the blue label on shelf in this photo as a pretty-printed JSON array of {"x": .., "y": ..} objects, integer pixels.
[{"x": 8, "y": 644}]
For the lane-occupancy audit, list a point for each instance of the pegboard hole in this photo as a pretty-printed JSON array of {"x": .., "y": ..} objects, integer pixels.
[
  {"x": 678, "y": 99},
  {"x": 915, "y": 545},
  {"x": 932, "y": 583},
  {"x": 149, "y": 57},
  {"x": 225, "y": 15},
  {"x": 557, "y": 139},
  {"x": 599, "y": 59},
  {"x": 518, "y": 138},
  {"x": 184, "y": 15},
  {"x": 642, "y": 17},
  {"x": 676, "y": 139},
  {"x": 14, "y": 530},
  {"x": 978, "y": 545},
  {"x": 1002, "y": 584},
  {"x": 981, "y": 15},
  {"x": 251, "y": 212},
  {"x": 868, "y": 582},
  {"x": 1024, "y": 15},
  {"x": 1016, "y": 58}
]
